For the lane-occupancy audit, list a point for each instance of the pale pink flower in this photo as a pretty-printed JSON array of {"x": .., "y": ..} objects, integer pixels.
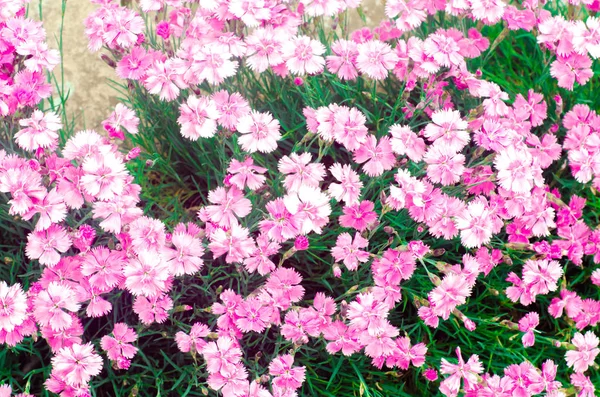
[
  {"x": 222, "y": 356},
  {"x": 571, "y": 68},
  {"x": 349, "y": 251},
  {"x": 406, "y": 142},
  {"x": 212, "y": 63},
  {"x": 227, "y": 205},
  {"x": 310, "y": 206},
  {"x": 475, "y": 224},
  {"x": 13, "y": 306},
  {"x": 147, "y": 235},
  {"x": 315, "y": 8},
  {"x": 515, "y": 170},
  {"x": 541, "y": 276},
  {"x": 265, "y": 46},
  {"x": 587, "y": 350},
  {"x": 253, "y": 315},
  {"x": 232, "y": 384},
  {"x": 51, "y": 208},
  {"x": 367, "y": 313},
  {"x": 448, "y": 128},
  {"x": 349, "y": 127},
  {"x": 533, "y": 109},
  {"x": 51, "y": 306},
  {"x": 146, "y": 274},
  {"x": 40, "y": 131},
  {"x": 122, "y": 28},
  {"x": 444, "y": 49},
  {"x": 304, "y": 55},
  {"x": 198, "y": 118},
  {"x": 245, "y": 173},
  {"x": 121, "y": 117},
  {"x": 47, "y": 245},
  {"x": 163, "y": 78},
  {"x": 230, "y": 108},
  {"x": 37, "y": 56},
  {"x": 488, "y": 11},
  {"x": 344, "y": 58},
  {"x": 444, "y": 165},
  {"x": 235, "y": 243},
  {"x": 584, "y": 385},
  {"x": 348, "y": 190},
  {"x": 284, "y": 286},
  {"x": 186, "y": 255},
  {"x": 192, "y": 342},
  {"x": 466, "y": 371},
  {"x": 375, "y": 59},
  {"x": 104, "y": 174},
  {"x": 527, "y": 324},
  {"x": 259, "y": 260},
  {"x": 251, "y": 12},
  {"x": 300, "y": 171},
  {"x": 376, "y": 156},
  {"x": 76, "y": 364},
  {"x": 119, "y": 345},
  {"x": 452, "y": 292},
  {"x": 135, "y": 64},
  {"x": 281, "y": 225},
  {"x": 259, "y": 132},
  {"x": 103, "y": 268},
  {"x": 152, "y": 309}
]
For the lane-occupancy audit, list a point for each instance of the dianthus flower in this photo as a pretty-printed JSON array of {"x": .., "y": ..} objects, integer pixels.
[
  {"x": 259, "y": 132},
  {"x": 571, "y": 68},
  {"x": 541, "y": 276},
  {"x": 300, "y": 171},
  {"x": 118, "y": 347},
  {"x": 245, "y": 173},
  {"x": 76, "y": 365},
  {"x": 231, "y": 384},
  {"x": 310, "y": 206},
  {"x": 49, "y": 304},
  {"x": 527, "y": 324},
  {"x": 163, "y": 78},
  {"x": 284, "y": 286},
  {"x": 103, "y": 268},
  {"x": 343, "y": 59},
  {"x": 447, "y": 129},
  {"x": 286, "y": 376},
  {"x": 444, "y": 165},
  {"x": 192, "y": 342},
  {"x": 281, "y": 225},
  {"x": 466, "y": 371},
  {"x": 47, "y": 245},
  {"x": 146, "y": 274},
  {"x": 349, "y": 251},
  {"x": 375, "y": 59},
  {"x": 377, "y": 157},
  {"x": 13, "y": 306},
  {"x": 452, "y": 292},
  {"x": 349, "y": 127},
  {"x": 253, "y": 315},
  {"x": 104, "y": 174},
  {"x": 227, "y": 204},
  {"x": 348, "y": 190},
  {"x": 303, "y": 55},
  {"x": 515, "y": 170},
  {"x": 265, "y": 46},
  {"x": 198, "y": 118},
  {"x": 40, "y": 131},
  {"x": 587, "y": 350},
  {"x": 359, "y": 216},
  {"x": 394, "y": 266},
  {"x": 186, "y": 255},
  {"x": 366, "y": 313},
  {"x": 122, "y": 117},
  {"x": 235, "y": 243},
  {"x": 147, "y": 235},
  {"x": 152, "y": 309},
  {"x": 406, "y": 142},
  {"x": 230, "y": 107},
  {"x": 259, "y": 260}
]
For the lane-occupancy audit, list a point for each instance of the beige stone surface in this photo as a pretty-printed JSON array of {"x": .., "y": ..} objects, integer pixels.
[{"x": 85, "y": 74}]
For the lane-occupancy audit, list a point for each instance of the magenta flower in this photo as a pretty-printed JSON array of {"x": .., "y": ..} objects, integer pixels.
[{"x": 359, "y": 216}]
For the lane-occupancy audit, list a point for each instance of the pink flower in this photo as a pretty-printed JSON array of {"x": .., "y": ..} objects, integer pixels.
[
  {"x": 284, "y": 375},
  {"x": 122, "y": 28},
  {"x": 118, "y": 346},
  {"x": 515, "y": 170},
  {"x": 75, "y": 365},
  {"x": 103, "y": 268},
  {"x": 300, "y": 171},
  {"x": 40, "y": 131},
  {"x": 406, "y": 142},
  {"x": 235, "y": 243},
  {"x": 571, "y": 68},
  {"x": 228, "y": 203},
  {"x": 253, "y": 315},
  {"x": 444, "y": 165},
  {"x": 135, "y": 64},
  {"x": 527, "y": 324},
  {"x": 303, "y": 55},
  {"x": 452, "y": 292},
  {"x": 230, "y": 107},
  {"x": 341, "y": 338},
  {"x": 192, "y": 342},
  {"x": 121, "y": 117},
  {"x": 584, "y": 385},
  {"x": 147, "y": 235},
  {"x": 231, "y": 384},
  {"x": 488, "y": 11},
  {"x": 259, "y": 260},
  {"x": 152, "y": 309},
  {"x": 367, "y": 313},
  {"x": 587, "y": 350},
  {"x": 344, "y": 58},
  {"x": 252, "y": 13},
  {"x": 315, "y": 8},
  {"x": 146, "y": 274},
  {"x": 46, "y": 245},
  {"x": 265, "y": 46},
  {"x": 51, "y": 208},
  {"x": 246, "y": 174},
  {"x": 222, "y": 356},
  {"x": 448, "y": 129},
  {"x": 163, "y": 30},
  {"x": 13, "y": 306},
  {"x": 444, "y": 49},
  {"x": 164, "y": 79},
  {"x": 377, "y": 157},
  {"x": 475, "y": 224},
  {"x": 348, "y": 190},
  {"x": 393, "y": 267},
  {"x": 186, "y": 256},
  {"x": 50, "y": 305},
  {"x": 541, "y": 276},
  {"x": 260, "y": 132},
  {"x": 532, "y": 109},
  {"x": 349, "y": 251},
  {"x": 283, "y": 285},
  {"x": 104, "y": 174},
  {"x": 281, "y": 225},
  {"x": 212, "y": 63},
  {"x": 375, "y": 58},
  {"x": 467, "y": 371},
  {"x": 198, "y": 118},
  {"x": 349, "y": 127},
  {"x": 359, "y": 216},
  {"x": 310, "y": 206}
]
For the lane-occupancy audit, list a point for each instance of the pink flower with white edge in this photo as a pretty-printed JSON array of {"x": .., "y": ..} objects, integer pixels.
[
  {"x": 406, "y": 142},
  {"x": 444, "y": 165},
  {"x": 230, "y": 107},
  {"x": 228, "y": 204},
  {"x": 245, "y": 173},
  {"x": 515, "y": 170},
  {"x": 104, "y": 174},
  {"x": 452, "y": 292},
  {"x": 122, "y": 117},
  {"x": 281, "y": 224},
  {"x": 259, "y": 132},
  {"x": 304, "y": 55},
  {"x": 349, "y": 127},
  {"x": 13, "y": 306},
  {"x": 587, "y": 350},
  {"x": 146, "y": 274},
  {"x": 349, "y": 186},
  {"x": 47, "y": 245},
  {"x": 235, "y": 243},
  {"x": 41, "y": 131},
  {"x": 475, "y": 224},
  {"x": 284, "y": 375},
  {"x": 343, "y": 59},
  {"x": 198, "y": 118},
  {"x": 541, "y": 276}
]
